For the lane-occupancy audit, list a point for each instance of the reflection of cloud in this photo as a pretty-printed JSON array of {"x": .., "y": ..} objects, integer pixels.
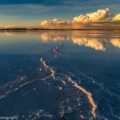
[
  {"x": 87, "y": 39},
  {"x": 101, "y": 15},
  {"x": 81, "y": 38},
  {"x": 115, "y": 42},
  {"x": 90, "y": 42},
  {"x": 9, "y": 34},
  {"x": 54, "y": 36},
  {"x": 98, "y": 40},
  {"x": 116, "y": 18}
]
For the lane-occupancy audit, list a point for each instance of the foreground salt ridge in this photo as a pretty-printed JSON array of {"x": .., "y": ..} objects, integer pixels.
[
  {"x": 52, "y": 75},
  {"x": 89, "y": 95},
  {"x": 14, "y": 86},
  {"x": 75, "y": 84},
  {"x": 38, "y": 114},
  {"x": 21, "y": 82},
  {"x": 47, "y": 67},
  {"x": 55, "y": 50}
]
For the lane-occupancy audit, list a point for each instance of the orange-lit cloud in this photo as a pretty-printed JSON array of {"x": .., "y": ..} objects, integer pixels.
[
  {"x": 102, "y": 15},
  {"x": 55, "y": 24},
  {"x": 101, "y": 19}
]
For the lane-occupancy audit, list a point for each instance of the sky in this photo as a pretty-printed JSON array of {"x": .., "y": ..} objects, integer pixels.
[{"x": 32, "y": 12}]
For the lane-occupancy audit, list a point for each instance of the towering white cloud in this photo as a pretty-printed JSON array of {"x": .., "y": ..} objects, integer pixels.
[
  {"x": 93, "y": 20},
  {"x": 102, "y": 15}
]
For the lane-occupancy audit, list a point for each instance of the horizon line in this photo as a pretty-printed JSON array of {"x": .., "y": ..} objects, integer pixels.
[{"x": 37, "y": 29}]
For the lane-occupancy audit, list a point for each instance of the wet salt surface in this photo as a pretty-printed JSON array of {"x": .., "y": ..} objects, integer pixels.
[{"x": 60, "y": 75}]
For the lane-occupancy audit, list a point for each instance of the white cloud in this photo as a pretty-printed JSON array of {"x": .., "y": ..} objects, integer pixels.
[
  {"x": 89, "y": 21},
  {"x": 102, "y": 15}
]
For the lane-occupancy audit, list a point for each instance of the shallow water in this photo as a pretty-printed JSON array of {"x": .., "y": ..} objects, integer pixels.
[{"x": 60, "y": 75}]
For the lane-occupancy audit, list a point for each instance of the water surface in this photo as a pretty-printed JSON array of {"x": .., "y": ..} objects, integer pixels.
[{"x": 60, "y": 75}]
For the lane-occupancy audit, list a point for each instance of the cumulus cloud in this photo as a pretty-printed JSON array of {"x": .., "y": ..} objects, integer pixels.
[
  {"x": 102, "y": 15},
  {"x": 55, "y": 24},
  {"x": 101, "y": 19}
]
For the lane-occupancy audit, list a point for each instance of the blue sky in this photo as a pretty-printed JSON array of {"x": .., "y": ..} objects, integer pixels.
[{"x": 30, "y": 12}]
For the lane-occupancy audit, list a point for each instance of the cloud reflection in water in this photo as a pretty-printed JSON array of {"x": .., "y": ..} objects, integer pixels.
[{"x": 98, "y": 40}]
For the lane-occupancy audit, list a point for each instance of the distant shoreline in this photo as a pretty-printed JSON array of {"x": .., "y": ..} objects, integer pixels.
[{"x": 36, "y": 29}]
